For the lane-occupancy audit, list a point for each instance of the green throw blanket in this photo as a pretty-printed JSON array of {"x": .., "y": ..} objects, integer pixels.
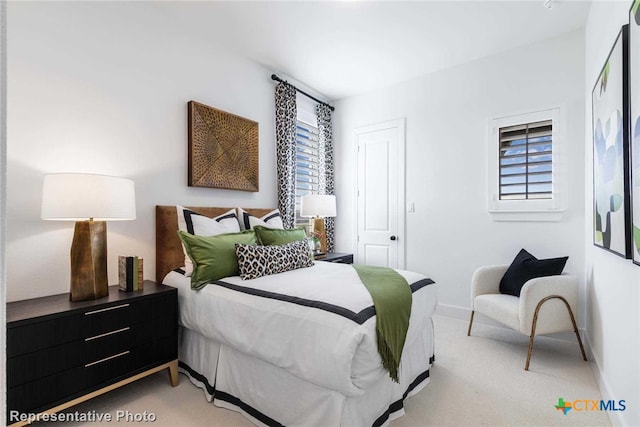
[{"x": 391, "y": 296}]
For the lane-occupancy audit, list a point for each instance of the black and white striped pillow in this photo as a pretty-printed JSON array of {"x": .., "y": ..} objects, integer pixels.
[{"x": 270, "y": 220}]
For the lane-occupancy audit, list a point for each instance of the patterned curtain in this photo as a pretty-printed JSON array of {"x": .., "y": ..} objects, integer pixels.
[
  {"x": 326, "y": 166},
  {"x": 286, "y": 116}
]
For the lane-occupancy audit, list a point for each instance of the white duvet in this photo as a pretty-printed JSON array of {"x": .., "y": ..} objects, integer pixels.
[{"x": 316, "y": 322}]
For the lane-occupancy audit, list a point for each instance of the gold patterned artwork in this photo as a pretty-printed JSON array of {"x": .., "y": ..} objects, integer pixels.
[{"x": 223, "y": 149}]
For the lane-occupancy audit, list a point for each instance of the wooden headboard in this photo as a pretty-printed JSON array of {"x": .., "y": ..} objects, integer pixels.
[{"x": 169, "y": 255}]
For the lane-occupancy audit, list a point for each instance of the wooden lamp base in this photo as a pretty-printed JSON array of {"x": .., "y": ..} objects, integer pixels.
[
  {"x": 318, "y": 227},
  {"x": 89, "y": 261}
]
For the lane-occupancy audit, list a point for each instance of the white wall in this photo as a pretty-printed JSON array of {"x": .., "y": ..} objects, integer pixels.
[
  {"x": 613, "y": 283},
  {"x": 451, "y": 234},
  {"x": 103, "y": 88},
  {"x": 3, "y": 193}
]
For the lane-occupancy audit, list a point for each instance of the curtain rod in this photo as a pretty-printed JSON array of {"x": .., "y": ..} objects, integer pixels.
[{"x": 278, "y": 79}]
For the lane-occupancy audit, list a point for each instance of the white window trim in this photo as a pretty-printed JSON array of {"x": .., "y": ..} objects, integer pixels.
[{"x": 525, "y": 210}]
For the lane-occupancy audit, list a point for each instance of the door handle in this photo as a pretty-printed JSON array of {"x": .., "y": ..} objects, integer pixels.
[{"x": 393, "y": 237}]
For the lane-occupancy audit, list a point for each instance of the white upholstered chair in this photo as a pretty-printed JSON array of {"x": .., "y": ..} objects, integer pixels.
[{"x": 545, "y": 305}]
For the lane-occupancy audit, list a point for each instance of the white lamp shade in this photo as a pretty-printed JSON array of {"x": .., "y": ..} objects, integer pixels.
[
  {"x": 318, "y": 205},
  {"x": 79, "y": 197}
]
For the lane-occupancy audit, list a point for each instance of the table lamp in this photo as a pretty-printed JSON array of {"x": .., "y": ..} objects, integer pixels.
[
  {"x": 318, "y": 206},
  {"x": 90, "y": 200}
]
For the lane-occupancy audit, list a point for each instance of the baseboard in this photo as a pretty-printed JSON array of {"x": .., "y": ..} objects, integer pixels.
[
  {"x": 615, "y": 417},
  {"x": 463, "y": 313}
]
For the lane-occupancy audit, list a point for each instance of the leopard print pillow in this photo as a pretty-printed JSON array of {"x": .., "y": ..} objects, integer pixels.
[{"x": 257, "y": 261}]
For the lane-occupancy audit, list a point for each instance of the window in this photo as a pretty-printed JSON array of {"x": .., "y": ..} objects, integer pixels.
[
  {"x": 307, "y": 161},
  {"x": 523, "y": 168},
  {"x": 526, "y": 161}
]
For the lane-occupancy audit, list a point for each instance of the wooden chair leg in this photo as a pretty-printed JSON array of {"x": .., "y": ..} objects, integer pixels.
[
  {"x": 470, "y": 323},
  {"x": 526, "y": 365},
  {"x": 535, "y": 321},
  {"x": 575, "y": 329}
]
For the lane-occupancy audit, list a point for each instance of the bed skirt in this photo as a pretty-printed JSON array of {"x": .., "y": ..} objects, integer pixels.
[{"x": 269, "y": 395}]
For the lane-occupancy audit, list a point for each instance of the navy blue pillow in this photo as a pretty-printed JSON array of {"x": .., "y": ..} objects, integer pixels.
[{"x": 526, "y": 267}]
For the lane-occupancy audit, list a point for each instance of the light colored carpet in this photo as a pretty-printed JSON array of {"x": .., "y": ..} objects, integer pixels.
[
  {"x": 480, "y": 381},
  {"x": 476, "y": 381}
]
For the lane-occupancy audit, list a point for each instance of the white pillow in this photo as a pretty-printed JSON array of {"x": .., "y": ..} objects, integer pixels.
[
  {"x": 201, "y": 225},
  {"x": 270, "y": 220}
]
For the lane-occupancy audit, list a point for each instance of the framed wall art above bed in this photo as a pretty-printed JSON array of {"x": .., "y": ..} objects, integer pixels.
[
  {"x": 223, "y": 149},
  {"x": 612, "y": 219}
]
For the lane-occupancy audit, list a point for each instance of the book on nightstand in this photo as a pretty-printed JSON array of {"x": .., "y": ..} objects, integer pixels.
[
  {"x": 140, "y": 275},
  {"x": 130, "y": 273}
]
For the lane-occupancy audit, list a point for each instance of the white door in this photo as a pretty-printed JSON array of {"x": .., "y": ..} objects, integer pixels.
[{"x": 381, "y": 194}]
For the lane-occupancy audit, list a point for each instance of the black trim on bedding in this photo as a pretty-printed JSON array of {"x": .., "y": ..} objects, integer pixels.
[
  {"x": 266, "y": 218},
  {"x": 180, "y": 270},
  {"x": 187, "y": 218},
  {"x": 421, "y": 284},
  {"x": 270, "y": 217},
  {"x": 228, "y": 216},
  {"x": 341, "y": 311},
  {"x": 358, "y": 318},
  {"x": 419, "y": 379},
  {"x": 399, "y": 404},
  {"x": 221, "y": 395},
  {"x": 245, "y": 219},
  {"x": 198, "y": 376}
]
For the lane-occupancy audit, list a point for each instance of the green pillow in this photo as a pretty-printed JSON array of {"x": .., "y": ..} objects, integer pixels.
[
  {"x": 278, "y": 236},
  {"x": 214, "y": 257}
]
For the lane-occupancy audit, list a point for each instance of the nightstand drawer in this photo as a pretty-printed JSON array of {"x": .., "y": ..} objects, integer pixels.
[
  {"x": 164, "y": 306},
  {"x": 164, "y": 350},
  {"x": 48, "y": 390},
  {"x": 49, "y": 361},
  {"x": 105, "y": 320},
  {"x": 160, "y": 323},
  {"x": 115, "y": 364},
  {"x": 43, "y": 334},
  {"x": 89, "y": 323}
]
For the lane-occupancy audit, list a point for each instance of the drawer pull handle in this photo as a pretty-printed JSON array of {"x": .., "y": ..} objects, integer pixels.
[
  {"x": 106, "y": 309},
  {"x": 107, "y": 334},
  {"x": 106, "y": 358}
]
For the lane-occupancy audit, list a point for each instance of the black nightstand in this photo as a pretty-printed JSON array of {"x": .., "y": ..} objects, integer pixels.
[
  {"x": 61, "y": 353},
  {"x": 337, "y": 257}
]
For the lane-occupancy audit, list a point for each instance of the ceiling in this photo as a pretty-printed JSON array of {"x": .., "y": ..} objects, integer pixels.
[{"x": 342, "y": 48}]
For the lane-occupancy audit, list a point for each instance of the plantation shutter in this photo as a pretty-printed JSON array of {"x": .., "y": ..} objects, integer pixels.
[
  {"x": 526, "y": 161},
  {"x": 307, "y": 161}
]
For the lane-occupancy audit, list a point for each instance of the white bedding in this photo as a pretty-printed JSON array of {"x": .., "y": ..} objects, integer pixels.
[
  {"x": 271, "y": 396},
  {"x": 321, "y": 314}
]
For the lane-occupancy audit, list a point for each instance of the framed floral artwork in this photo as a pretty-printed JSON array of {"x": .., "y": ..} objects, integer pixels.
[
  {"x": 634, "y": 115},
  {"x": 612, "y": 219}
]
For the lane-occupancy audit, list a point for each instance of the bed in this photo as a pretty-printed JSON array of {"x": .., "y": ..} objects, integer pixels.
[{"x": 294, "y": 348}]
